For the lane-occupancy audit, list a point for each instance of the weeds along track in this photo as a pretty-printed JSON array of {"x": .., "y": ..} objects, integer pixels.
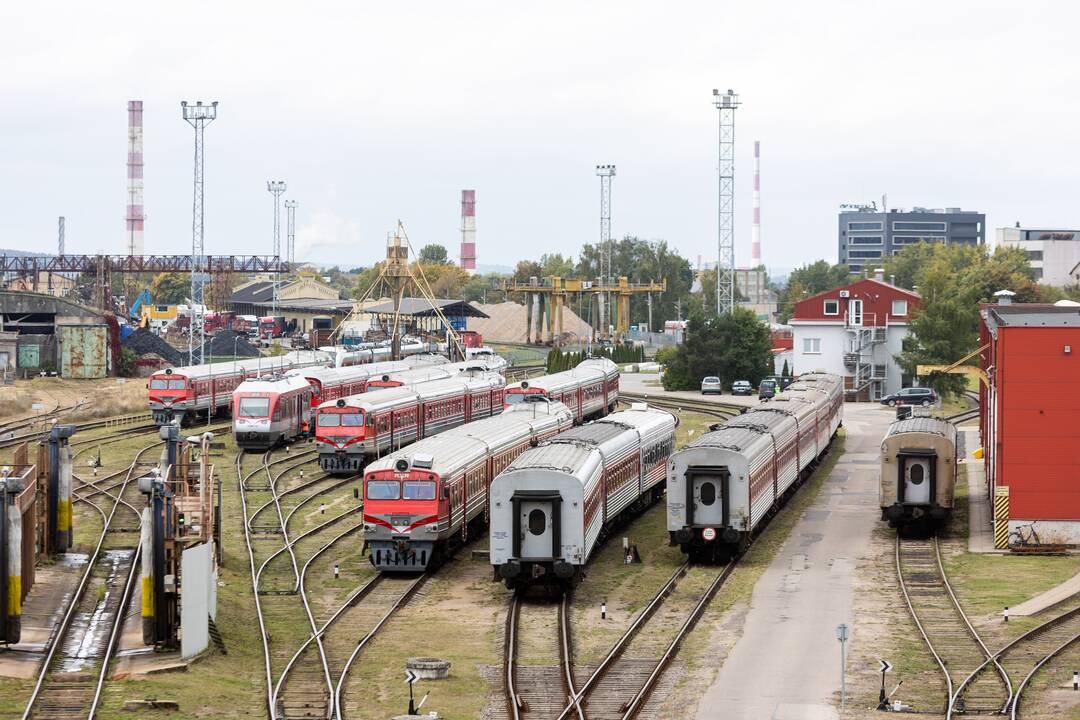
[
  {"x": 623, "y": 682},
  {"x": 295, "y": 526},
  {"x": 78, "y": 654},
  {"x": 1023, "y": 657},
  {"x": 947, "y": 632}
]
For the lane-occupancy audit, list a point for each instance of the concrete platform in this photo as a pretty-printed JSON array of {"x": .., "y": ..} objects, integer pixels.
[
  {"x": 980, "y": 518},
  {"x": 134, "y": 658},
  {"x": 1048, "y": 599},
  {"x": 42, "y": 612}
]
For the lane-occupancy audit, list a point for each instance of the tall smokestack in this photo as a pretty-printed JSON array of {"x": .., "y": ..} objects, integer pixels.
[
  {"x": 135, "y": 216},
  {"x": 755, "y": 231},
  {"x": 468, "y": 230}
]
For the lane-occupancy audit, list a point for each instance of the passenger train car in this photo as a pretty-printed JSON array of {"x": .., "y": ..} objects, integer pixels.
[
  {"x": 589, "y": 390},
  {"x": 550, "y": 508},
  {"x": 918, "y": 473},
  {"x": 182, "y": 393},
  {"x": 271, "y": 409},
  {"x": 723, "y": 486},
  {"x": 350, "y": 429},
  {"x": 422, "y": 502},
  {"x": 330, "y": 383}
]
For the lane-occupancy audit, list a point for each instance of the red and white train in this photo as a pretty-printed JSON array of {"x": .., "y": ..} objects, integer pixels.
[
  {"x": 351, "y": 429},
  {"x": 552, "y": 506},
  {"x": 271, "y": 409},
  {"x": 183, "y": 393},
  {"x": 423, "y": 502},
  {"x": 589, "y": 390},
  {"x": 727, "y": 483}
]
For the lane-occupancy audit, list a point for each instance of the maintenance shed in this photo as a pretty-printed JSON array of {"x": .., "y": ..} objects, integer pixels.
[
  {"x": 55, "y": 335},
  {"x": 1030, "y": 355},
  {"x": 420, "y": 316}
]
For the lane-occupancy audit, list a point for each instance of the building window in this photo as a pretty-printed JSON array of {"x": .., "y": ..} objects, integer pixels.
[
  {"x": 1034, "y": 254},
  {"x": 811, "y": 346},
  {"x": 832, "y": 307},
  {"x": 913, "y": 225},
  {"x": 899, "y": 307},
  {"x": 912, "y": 239},
  {"x": 864, "y": 226},
  {"x": 865, "y": 239},
  {"x": 864, "y": 253},
  {"x": 1038, "y": 272}
]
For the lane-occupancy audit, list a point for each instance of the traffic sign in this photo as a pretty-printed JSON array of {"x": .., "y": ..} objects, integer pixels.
[
  {"x": 411, "y": 677},
  {"x": 886, "y": 666}
]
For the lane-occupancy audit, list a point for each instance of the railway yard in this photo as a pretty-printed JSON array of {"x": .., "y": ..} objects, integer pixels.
[{"x": 305, "y": 624}]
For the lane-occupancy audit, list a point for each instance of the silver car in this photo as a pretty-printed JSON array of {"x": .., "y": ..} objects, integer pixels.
[{"x": 711, "y": 384}]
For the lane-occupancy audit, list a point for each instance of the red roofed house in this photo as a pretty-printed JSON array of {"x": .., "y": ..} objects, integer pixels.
[{"x": 855, "y": 331}]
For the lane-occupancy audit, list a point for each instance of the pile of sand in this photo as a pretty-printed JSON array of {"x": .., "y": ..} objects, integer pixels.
[{"x": 507, "y": 322}]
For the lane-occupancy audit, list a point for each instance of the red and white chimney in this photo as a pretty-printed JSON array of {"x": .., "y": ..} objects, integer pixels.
[
  {"x": 133, "y": 238},
  {"x": 755, "y": 230},
  {"x": 468, "y": 230}
]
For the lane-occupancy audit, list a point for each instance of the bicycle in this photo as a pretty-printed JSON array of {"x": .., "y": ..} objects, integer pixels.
[{"x": 1022, "y": 540}]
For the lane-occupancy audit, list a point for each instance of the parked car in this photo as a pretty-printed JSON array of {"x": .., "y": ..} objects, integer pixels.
[
  {"x": 911, "y": 396},
  {"x": 742, "y": 387},
  {"x": 766, "y": 390},
  {"x": 711, "y": 384}
]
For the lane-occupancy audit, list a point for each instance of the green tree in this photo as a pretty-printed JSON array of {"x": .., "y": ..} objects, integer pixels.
[
  {"x": 434, "y": 254},
  {"x": 554, "y": 264},
  {"x": 170, "y": 288},
  {"x": 786, "y": 371},
  {"x": 526, "y": 269},
  {"x": 735, "y": 346}
]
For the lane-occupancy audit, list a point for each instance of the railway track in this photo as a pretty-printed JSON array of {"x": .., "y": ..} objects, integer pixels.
[
  {"x": 723, "y": 411},
  {"x": 948, "y": 633},
  {"x": 79, "y": 652},
  {"x": 538, "y": 690}
]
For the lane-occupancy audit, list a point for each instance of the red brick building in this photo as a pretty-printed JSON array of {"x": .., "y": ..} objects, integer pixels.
[{"x": 1030, "y": 419}]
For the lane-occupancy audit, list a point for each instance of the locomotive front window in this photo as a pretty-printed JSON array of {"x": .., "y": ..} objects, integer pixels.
[
  {"x": 326, "y": 420},
  {"x": 418, "y": 490},
  {"x": 708, "y": 493},
  {"x": 383, "y": 490},
  {"x": 352, "y": 420},
  {"x": 537, "y": 522},
  {"x": 514, "y": 398},
  {"x": 159, "y": 384},
  {"x": 254, "y": 407},
  {"x": 177, "y": 385}
]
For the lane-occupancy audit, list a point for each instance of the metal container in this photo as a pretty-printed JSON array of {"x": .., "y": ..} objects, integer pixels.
[{"x": 84, "y": 351}]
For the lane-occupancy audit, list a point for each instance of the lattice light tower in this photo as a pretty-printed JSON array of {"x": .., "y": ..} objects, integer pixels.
[
  {"x": 60, "y": 236},
  {"x": 276, "y": 187},
  {"x": 290, "y": 230},
  {"x": 726, "y": 103},
  {"x": 198, "y": 116},
  {"x": 606, "y": 174}
]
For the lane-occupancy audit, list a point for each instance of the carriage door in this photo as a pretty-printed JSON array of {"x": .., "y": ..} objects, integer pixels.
[
  {"x": 536, "y": 524},
  {"x": 707, "y": 493},
  {"x": 916, "y": 478}
]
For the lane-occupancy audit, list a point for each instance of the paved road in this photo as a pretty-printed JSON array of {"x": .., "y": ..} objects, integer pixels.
[
  {"x": 649, "y": 383},
  {"x": 786, "y": 665}
]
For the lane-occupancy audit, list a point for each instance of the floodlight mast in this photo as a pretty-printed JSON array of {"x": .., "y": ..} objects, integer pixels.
[
  {"x": 726, "y": 103},
  {"x": 198, "y": 116},
  {"x": 276, "y": 188}
]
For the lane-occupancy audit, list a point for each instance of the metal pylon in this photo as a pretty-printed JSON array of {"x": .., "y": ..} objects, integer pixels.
[
  {"x": 290, "y": 231},
  {"x": 725, "y": 260},
  {"x": 276, "y": 187},
  {"x": 198, "y": 116}
]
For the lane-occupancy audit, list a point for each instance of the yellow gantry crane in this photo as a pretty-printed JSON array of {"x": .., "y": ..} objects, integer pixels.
[{"x": 553, "y": 292}]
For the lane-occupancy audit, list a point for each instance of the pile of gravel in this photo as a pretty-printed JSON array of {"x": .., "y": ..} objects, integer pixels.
[
  {"x": 144, "y": 342},
  {"x": 222, "y": 345}
]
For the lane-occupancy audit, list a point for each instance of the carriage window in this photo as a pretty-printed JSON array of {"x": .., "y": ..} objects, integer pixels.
[
  {"x": 254, "y": 407},
  {"x": 418, "y": 490},
  {"x": 537, "y": 522},
  {"x": 382, "y": 490},
  {"x": 329, "y": 420},
  {"x": 708, "y": 493}
]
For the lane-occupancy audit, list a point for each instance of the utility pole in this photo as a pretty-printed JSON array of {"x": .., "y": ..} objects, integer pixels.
[
  {"x": 276, "y": 187},
  {"x": 290, "y": 230},
  {"x": 725, "y": 260},
  {"x": 606, "y": 174},
  {"x": 198, "y": 116}
]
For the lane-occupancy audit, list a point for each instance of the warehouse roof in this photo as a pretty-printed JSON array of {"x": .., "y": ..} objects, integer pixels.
[
  {"x": 1031, "y": 315},
  {"x": 422, "y": 307}
]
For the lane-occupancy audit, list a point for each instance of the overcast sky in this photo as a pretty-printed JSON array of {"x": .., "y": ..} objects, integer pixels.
[{"x": 371, "y": 115}]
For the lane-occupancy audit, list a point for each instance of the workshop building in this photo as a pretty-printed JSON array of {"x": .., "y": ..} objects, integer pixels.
[
  {"x": 53, "y": 335},
  {"x": 300, "y": 301},
  {"x": 1030, "y": 355}
]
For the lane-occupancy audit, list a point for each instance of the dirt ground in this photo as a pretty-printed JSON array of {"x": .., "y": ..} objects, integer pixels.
[{"x": 89, "y": 398}]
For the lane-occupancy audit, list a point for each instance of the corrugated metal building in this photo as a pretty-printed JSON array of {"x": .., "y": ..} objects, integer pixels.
[
  {"x": 54, "y": 335},
  {"x": 1030, "y": 419}
]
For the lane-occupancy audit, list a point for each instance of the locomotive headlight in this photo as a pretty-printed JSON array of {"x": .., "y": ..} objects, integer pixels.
[{"x": 709, "y": 534}]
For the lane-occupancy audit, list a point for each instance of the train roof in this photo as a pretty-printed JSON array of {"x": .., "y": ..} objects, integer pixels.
[
  {"x": 267, "y": 365},
  {"x": 380, "y": 398},
  {"x": 272, "y": 383},
  {"x": 590, "y": 369},
  {"x": 922, "y": 425},
  {"x": 454, "y": 449},
  {"x": 373, "y": 400}
]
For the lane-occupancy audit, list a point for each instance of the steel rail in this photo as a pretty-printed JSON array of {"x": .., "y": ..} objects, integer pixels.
[
  {"x": 566, "y": 654},
  {"x": 80, "y": 590},
  {"x": 1014, "y": 710}
]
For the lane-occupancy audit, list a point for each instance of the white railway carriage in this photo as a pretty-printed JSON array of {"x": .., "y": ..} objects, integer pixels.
[
  {"x": 551, "y": 507},
  {"x": 271, "y": 410},
  {"x": 589, "y": 390},
  {"x": 351, "y": 429},
  {"x": 182, "y": 393},
  {"x": 422, "y": 502},
  {"x": 724, "y": 485}
]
